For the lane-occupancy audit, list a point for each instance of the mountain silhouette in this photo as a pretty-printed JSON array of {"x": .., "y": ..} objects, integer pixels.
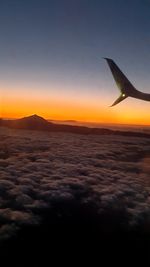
[
  {"x": 35, "y": 122},
  {"x": 34, "y": 118}
]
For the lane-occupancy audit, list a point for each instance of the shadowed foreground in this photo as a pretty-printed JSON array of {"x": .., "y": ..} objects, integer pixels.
[{"x": 80, "y": 235}]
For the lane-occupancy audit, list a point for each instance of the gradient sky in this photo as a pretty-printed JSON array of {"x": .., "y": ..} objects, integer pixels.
[{"x": 51, "y": 58}]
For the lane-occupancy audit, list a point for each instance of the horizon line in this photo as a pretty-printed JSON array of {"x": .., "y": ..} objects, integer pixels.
[{"x": 78, "y": 121}]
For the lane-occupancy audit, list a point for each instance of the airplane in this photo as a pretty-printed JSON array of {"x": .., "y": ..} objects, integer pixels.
[{"x": 125, "y": 86}]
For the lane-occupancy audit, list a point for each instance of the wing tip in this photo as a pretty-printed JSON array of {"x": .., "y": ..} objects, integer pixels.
[{"x": 107, "y": 58}]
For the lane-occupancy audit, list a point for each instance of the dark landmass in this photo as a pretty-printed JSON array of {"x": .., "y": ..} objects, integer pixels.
[{"x": 36, "y": 122}]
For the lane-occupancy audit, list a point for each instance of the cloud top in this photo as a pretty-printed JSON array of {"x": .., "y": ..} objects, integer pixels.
[{"x": 64, "y": 173}]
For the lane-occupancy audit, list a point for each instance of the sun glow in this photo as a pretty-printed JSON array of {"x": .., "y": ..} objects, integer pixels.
[{"x": 62, "y": 106}]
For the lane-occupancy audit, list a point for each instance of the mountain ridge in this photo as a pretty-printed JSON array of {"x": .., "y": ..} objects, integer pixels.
[{"x": 35, "y": 122}]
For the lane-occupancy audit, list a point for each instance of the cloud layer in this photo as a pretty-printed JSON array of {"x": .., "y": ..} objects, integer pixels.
[{"x": 104, "y": 176}]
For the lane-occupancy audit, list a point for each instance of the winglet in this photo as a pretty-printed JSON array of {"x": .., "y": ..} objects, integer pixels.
[{"x": 119, "y": 99}]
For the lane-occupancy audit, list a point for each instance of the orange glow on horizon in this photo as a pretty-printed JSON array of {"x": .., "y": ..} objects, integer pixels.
[{"x": 59, "y": 107}]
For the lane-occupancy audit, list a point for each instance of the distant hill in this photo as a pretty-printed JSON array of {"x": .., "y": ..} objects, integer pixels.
[
  {"x": 33, "y": 122},
  {"x": 70, "y": 121},
  {"x": 36, "y": 122}
]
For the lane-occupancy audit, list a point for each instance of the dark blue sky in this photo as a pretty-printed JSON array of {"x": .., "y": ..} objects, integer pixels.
[{"x": 62, "y": 43}]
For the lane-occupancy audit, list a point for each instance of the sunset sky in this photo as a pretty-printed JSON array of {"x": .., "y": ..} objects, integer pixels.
[{"x": 51, "y": 58}]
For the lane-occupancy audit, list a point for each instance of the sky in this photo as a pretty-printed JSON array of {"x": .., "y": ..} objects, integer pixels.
[{"x": 51, "y": 58}]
